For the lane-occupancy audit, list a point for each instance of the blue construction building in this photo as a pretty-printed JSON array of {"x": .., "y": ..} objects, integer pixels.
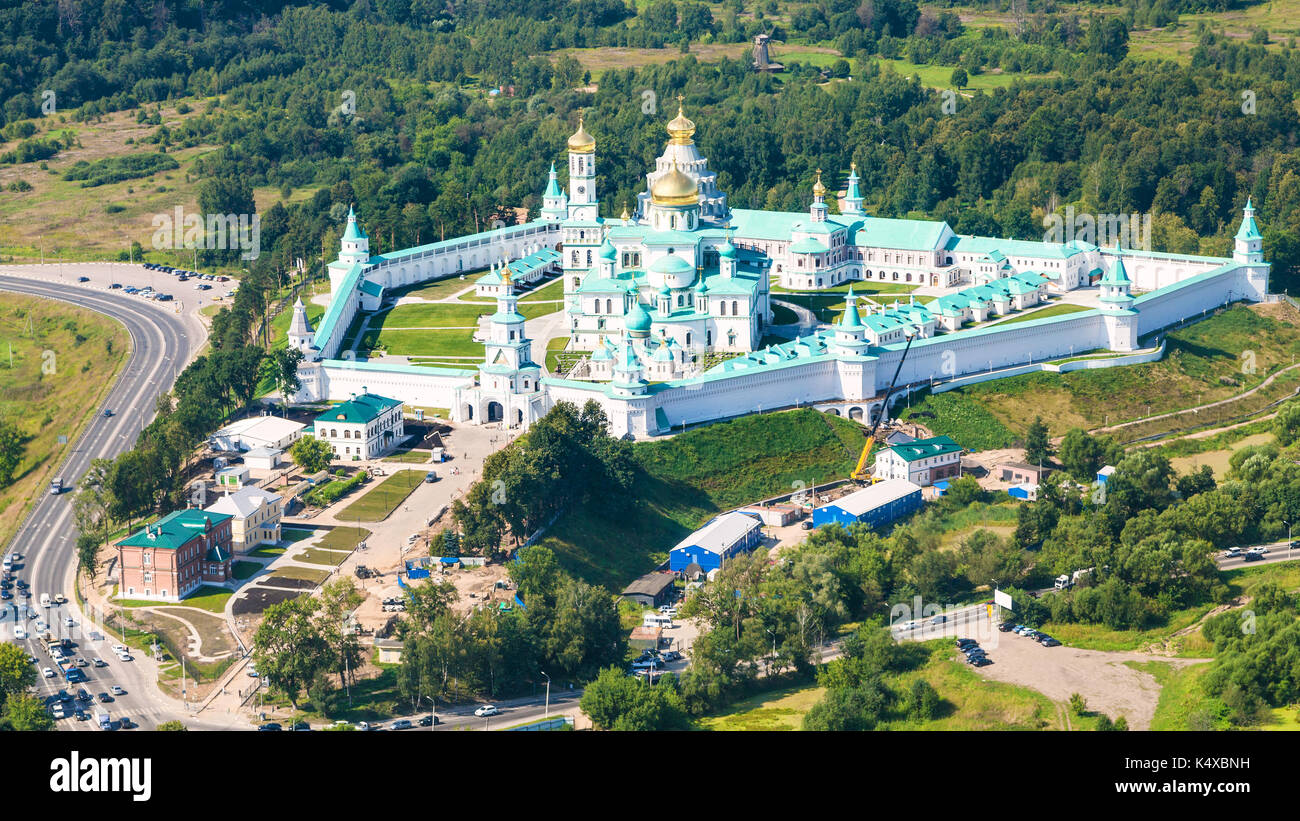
[
  {"x": 717, "y": 541},
  {"x": 876, "y": 505}
]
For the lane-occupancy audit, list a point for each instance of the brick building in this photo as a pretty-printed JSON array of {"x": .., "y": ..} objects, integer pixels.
[{"x": 176, "y": 555}]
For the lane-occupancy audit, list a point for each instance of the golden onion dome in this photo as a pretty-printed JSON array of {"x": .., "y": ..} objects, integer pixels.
[
  {"x": 674, "y": 188},
  {"x": 819, "y": 190},
  {"x": 680, "y": 128},
  {"x": 582, "y": 142}
]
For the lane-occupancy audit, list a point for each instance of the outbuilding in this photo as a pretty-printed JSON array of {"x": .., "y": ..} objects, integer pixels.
[
  {"x": 651, "y": 590},
  {"x": 720, "y": 539},
  {"x": 876, "y": 505},
  {"x": 922, "y": 461},
  {"x": 263, "y": 458}
]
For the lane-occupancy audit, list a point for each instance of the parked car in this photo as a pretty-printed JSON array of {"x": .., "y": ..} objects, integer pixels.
[
  {"x": 967, "y": 643},
  {"x": 1050, "y": 642},
  {"x": 979, "y": 661},
  {"x": 116, "y": 286},
  {"x": 672, "y": 655},
  {"x": 487, "y": 710},
  {"x": 301, "y": 727},
  {"x": 83, "y": 279},
  {"x": 1006, "y": 627}
]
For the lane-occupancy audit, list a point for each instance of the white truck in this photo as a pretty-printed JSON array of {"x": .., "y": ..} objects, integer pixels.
[
  {"x": 102, "y": 719},
  {"x": 45, "y": 600}
]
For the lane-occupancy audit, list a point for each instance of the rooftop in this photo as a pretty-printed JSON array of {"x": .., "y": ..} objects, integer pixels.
[
  {"x": 174, "y": 530},
  {"x": 720, "y": 533},
  {"x": 870, "y": 498},
  {"x": 360, "y": 409}
]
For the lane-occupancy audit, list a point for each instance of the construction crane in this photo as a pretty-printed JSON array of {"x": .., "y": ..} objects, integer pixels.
[{"x": 861, "y": 473}]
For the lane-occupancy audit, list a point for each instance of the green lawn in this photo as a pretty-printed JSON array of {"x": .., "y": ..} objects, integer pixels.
[
  {"x": 410, "y": 456},
  {"x": 1043, "y": 313},
  {"x": 302, "y": 574},
  {"x": 384, "y": 498},
  {"x": 313, "y": 555},
  {"x": 682, "y": 482},
  {"x": 293, "y": 534},
  {"x": 941, "y": 76},
  {"x": 208, "y": 597},
  {"x": 423, "y": 343},
  {"x": 243, "y": 570},
  {"x": 343, "y": 538},
  {"x": 553, "y": 349},
  {"x": 267, "y": 552}
]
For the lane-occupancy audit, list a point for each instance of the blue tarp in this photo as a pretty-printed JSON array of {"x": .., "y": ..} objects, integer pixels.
[
  {"x": 418, "y": 573},
  {"x": 449, "y": 560}
]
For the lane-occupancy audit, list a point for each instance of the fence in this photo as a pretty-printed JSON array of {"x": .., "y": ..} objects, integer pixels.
[{"x": 557, "y": 723}]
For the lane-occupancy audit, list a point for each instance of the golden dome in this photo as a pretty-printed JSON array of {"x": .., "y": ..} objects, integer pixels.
[
  {"x": 681, "y": 129},
  {"x": 819, "y": 190},
  {"x": 626, "y": 216},
  {"x": 674, "y": 188},
  {"x": 582, "y": 142}
]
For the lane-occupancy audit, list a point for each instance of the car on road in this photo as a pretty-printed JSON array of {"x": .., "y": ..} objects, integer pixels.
[
  {"x": 300, "y": 727},
  {"x": 47, "y": 672},
  {"x": 42, "y": 625},
  {"x": 68, "y": 622},
  {"x": 83, "y": 279},
  {"x": 59, "y": 598},
  {"x": 82, "y": 715},
  {"x": 939, "y": 620},
  {"x": 20, "y": 632},
  {"x": 104, "y": 698},
  {"x": 82, "y": 662},
  {"x": 1232, "y": 552},
  {"x": 100, "y": 663},
  {"x": 56, "y": 486},
  {"x": 401, "y": 724},
  {"x": 126, "y": 723},
  {"x": 57, "y": 711},
  {"x": 164, "y": 297},
  {"x": 1253, "y": 557},
  {"x": 1261, "y": 550},
  {"x": 272, "y": 727},
  {"x": 125, "y": 657},
  {"x": 117, "y": 690},
  {"x": 486, "y": 710},
  {"x": 5, "y": 595},
  {"x": 429, "y": 721},
  {"x": 22, "y": 585}
]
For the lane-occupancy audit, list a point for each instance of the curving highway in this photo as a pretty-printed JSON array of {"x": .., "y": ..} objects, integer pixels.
[{"x": 162, "y": 343}]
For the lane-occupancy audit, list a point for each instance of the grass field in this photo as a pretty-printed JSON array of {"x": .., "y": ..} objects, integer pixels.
[
  {"x": 208, "y": 597},
  {"x": 313, "y": 555},
  {"x": 243, "y": 570},
  {"x": 302, "y": 574},
  {"x": 1181, "y": 696},
  {"x": 1044, "y": 313},
  {"x": 383, "y": 498},
  {"x": 343, "y": 538},
  {"x": 1239, "y": 345},
  {"x": 553, "y": 349},
  {"x": 683, "y": 481},
  {"x": 941, "y": 76},
  {"x": 56, "y": 363}
]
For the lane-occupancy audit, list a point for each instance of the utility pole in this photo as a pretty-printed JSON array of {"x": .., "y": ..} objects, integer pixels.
[{"x": 547, "y": 713}]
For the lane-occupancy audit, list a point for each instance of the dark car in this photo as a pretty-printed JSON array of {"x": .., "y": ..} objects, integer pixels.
[
  {"x": 967, "y": 643},
  {"x": 108, "y": 412},
  {"x": 5, "y": 595},
  {"x": 22, "y": 585},
  {"x": 1006, "y": 627},
  {"x": 104, "y": 698},
  {"x": 126, "y": 723},
  {"x": 272, "y": 727},
  {"x": 979, "y": 661},
  {"x": 1050, "y": 642},
  {"x": 974, "y": 651},
  {"x": 116, "y": 286},
  {"x": 81, "y": 715},
  {"x": 83, "y": 279},
  {"x": 301, "y": 727},
  {"x": 1253, "y": 557},
  {"x": 672, "y": 655},
  {"x": 429, "y": 721}
]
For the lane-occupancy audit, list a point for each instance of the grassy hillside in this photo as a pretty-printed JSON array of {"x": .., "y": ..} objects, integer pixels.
[
  {"x": 685, "y": 480},
  {"x": 56, "y": 362},
  {"x": 1211, "y": 360}
]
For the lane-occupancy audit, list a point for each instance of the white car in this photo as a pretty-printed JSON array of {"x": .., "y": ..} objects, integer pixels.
[
  {"x": 118, "y": 648},
  {"x": 20, "y": 632},
  {"x": 47, "y": 672},
  {"x": 1232, "y": 552},
  {"x": 487, "y": 710},
  {"x": 68, "y": 622},
  {"x": 41, "y": 625},
  {"x": 59, "y": 598},
  {"x": 117, "y": 690},
  {"x": 123, "y": 656},
  {"x": 252, "y": 671}
]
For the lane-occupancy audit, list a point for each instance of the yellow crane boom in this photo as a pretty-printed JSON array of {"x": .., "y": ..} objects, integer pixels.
[{"x": 860, "y": 473}]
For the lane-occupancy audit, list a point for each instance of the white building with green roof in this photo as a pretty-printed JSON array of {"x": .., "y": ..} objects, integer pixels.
[
  {"x": 685, "y": 274},
  {"x": 366, "y": 426}
]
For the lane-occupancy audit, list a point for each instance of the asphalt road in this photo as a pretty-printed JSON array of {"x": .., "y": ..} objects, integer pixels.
[{"x": 163, "y": 341}]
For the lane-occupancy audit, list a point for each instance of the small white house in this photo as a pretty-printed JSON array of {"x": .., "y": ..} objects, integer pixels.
[
  {"x": 233, "y": 477},
  {"x": 263, "y": 458},
  {"x": 257, "y": 432}
]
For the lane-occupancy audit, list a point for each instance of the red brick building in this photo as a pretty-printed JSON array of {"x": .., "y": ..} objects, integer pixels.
[{"x": 176, "y": 555}]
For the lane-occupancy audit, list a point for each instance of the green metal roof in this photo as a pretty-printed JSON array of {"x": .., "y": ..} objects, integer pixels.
[
  {"x": 371, "y": 288},
  {"x": 359, "y": 409},
  {"x": 926, "y": 448},
  {"x": 174, "y": 530},
  {"x": 1248, "y": 229},
  {"x": 808, "y": 245}
]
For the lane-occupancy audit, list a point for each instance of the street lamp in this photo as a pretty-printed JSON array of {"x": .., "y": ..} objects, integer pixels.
[{"x": 547, "y": 714}]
